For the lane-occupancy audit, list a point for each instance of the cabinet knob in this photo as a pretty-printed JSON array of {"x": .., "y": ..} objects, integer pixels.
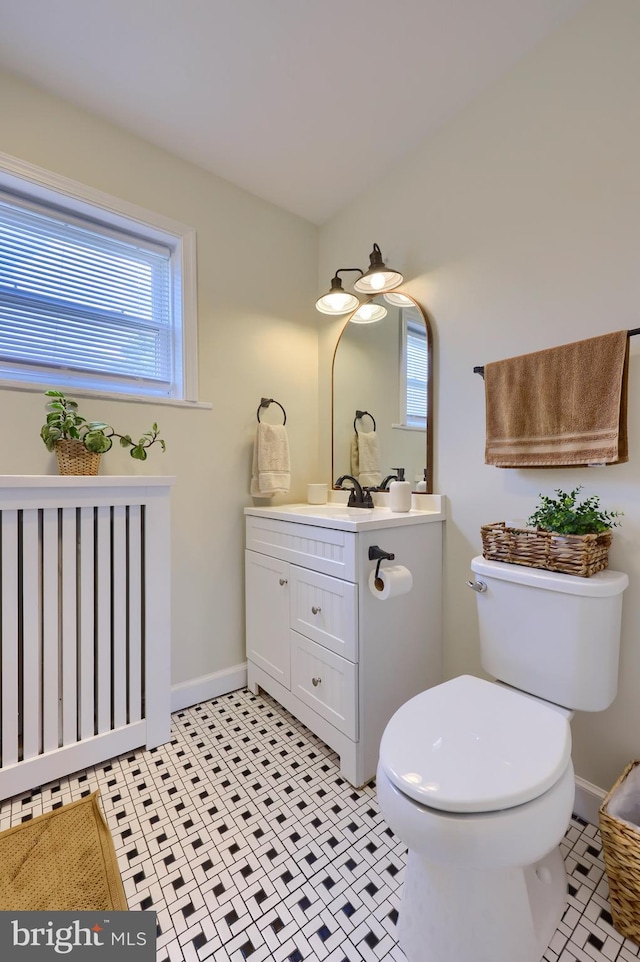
[
  {"x": 315, "y": 610},
  {"x": 315, "y": 682},
  {"x": 283, "y": 581}
]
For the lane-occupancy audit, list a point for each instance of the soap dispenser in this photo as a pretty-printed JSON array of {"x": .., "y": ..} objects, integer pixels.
[
  {"x": 400, "y": 493},
  {"x": 422, "y": 484}
]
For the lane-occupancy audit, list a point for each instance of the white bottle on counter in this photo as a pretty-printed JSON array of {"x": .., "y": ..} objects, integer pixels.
[
  {"x": 422, "y": 482},
  {"x": 400, "y": 493}
]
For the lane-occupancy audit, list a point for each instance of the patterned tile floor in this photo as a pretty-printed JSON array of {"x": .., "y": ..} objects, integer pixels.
[{"x": 244, "y": 838}]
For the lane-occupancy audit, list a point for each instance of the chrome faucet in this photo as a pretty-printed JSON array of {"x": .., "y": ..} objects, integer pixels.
[{"x": 358, "y": 498}]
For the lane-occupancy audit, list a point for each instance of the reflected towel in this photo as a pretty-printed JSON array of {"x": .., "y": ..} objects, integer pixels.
[
  {"x": 562, "y": 406},
  {"x": 271, "y": 469},
  {"x": 368, "y": 459},
  {"x": 355, "y": 457}
]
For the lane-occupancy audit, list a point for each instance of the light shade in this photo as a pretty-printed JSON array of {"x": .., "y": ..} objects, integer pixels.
[
  {"x": 379, "y": 278},
  {"x": 397, "y": 299},
  {"x": 337, "y": 300},
  {"x": 368, "y": 314}
]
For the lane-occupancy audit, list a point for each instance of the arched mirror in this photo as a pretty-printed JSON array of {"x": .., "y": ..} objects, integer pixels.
[{"x": 382, "y": 370}]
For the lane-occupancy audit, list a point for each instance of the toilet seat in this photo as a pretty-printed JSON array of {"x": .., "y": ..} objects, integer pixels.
[{"x": 468, "y": 745}]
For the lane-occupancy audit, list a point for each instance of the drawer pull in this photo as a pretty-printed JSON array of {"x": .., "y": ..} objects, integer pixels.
[
  {"x": 315, "y": 682},
  {"x": 315, "y": 610},
  {"x": 283, "y": 581}
]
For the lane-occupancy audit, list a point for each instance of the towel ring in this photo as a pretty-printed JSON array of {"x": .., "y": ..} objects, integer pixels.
[
  {"x": 265, "y": 402},
  {"x": 362, "y": 414}
]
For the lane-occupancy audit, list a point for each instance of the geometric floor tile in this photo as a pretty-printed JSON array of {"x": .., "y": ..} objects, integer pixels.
[{"x": 244, "y": 838}]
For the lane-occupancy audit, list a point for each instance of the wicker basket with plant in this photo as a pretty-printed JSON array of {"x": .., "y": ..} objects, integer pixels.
[
  {"x": 565, "y": 535},
  {"x": 79, "y": 444}
]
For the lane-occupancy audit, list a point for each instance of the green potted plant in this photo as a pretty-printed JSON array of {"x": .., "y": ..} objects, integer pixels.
[
  {"x": 566, "y": 515},
  {"x": 79, "y": 444},
  {"x": 565, "y": 535}
]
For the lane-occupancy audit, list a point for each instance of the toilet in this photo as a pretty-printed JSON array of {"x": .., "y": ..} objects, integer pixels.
[{"x": 475, "y": 777}]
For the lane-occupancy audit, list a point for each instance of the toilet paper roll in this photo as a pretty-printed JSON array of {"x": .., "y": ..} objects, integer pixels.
[{"x": 392, "y": 581}]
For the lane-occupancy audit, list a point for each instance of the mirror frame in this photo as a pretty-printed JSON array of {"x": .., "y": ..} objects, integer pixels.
[{"x": 429, "y": 428}]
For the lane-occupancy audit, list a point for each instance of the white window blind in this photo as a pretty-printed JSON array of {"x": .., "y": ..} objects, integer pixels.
[
  {"x": 81, "y": 296},
  {"x": 415, "y": 373},
  {"x": 96, "y": 293}
]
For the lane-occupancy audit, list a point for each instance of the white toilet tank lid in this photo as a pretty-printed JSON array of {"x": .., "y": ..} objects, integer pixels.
[
  {"x": 468, "y": 745},
  {"x": 604, "y": 583}
]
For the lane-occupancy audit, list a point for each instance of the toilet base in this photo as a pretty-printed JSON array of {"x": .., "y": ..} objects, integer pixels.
[{"x": 451, "y": 913}]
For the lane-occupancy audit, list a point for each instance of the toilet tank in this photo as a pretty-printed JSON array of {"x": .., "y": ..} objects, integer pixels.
[{"x": 553, "y": 635}]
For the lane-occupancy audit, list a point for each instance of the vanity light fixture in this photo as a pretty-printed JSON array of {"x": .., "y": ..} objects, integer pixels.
[
  {"x": 397, "y": 299},
  {"x": 337, "y": 300},
  {"x": 379, "y": 278},
  {"x": 368, "y": 314}
]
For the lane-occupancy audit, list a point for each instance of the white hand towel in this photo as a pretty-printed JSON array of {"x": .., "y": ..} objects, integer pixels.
[
  {"x": 271, "y": 469},
  {"x": 355, "y": 457},
  {"x": 369, "y": 457}
]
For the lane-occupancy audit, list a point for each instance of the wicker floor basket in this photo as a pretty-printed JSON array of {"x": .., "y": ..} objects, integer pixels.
[
  {"x": 73, "y": 458},
  {"x": 621, "y": 848},
  {"x": 573, "y": 554}
]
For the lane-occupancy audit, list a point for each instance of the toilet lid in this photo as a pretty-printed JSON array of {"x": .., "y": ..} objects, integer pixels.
[{"x": 470, "y": 746}]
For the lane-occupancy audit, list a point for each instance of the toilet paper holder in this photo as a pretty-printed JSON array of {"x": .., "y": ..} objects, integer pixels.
[{"x": 378, "y": 554}]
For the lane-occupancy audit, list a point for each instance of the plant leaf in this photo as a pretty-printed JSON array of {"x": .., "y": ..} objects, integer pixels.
[{"x": 97, "y": 442}]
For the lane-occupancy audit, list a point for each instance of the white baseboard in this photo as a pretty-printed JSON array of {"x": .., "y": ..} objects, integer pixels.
[
  {"x": 588, "y": 800},
  {"x": 192, "y": 692}
]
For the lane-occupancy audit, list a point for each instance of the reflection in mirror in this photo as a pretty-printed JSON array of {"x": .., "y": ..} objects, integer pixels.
[{"x": 383, "y": 367}]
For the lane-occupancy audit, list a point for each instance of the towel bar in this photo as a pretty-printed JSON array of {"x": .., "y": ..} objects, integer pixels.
[
  {"x": 480, "y": 370},
  {"x": 265, "y": 402}
]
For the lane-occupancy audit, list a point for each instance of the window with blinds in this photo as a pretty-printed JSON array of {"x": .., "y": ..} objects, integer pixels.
[
  {"x": 89, "y": 299},
  {"x": 414, "y": 381}
]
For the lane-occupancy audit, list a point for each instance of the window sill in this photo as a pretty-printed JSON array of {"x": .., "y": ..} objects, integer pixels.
[
  {"x": 105, "y": 395},
  {"x": 408, "y": 427}
]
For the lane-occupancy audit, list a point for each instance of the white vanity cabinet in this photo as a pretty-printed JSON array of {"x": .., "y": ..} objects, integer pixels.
[{"x": 318, "y": 641}]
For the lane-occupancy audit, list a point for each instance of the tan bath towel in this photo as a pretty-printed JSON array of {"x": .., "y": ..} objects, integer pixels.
[
  {"x": 563, "y": 406},
  {"x": 271, "y": 469},
  {"x": 368, "y": 459}
]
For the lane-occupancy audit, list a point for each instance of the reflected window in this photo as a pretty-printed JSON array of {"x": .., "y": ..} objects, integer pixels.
[{"x": 413, "y": 373}]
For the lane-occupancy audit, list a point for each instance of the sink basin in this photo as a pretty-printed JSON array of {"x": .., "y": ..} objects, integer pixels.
[
  {"x": 341, "y": 516},
  {"x": 327, "y": 510}
]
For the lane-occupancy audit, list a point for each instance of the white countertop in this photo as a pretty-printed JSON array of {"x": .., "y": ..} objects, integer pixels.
[{"x": 338, "y": 515}]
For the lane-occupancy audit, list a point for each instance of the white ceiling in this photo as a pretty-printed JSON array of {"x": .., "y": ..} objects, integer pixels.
[{"x": 302, "y": 102}]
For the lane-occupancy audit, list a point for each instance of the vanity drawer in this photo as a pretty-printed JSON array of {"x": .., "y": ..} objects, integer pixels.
[
  {"x": 325, "y": 609},
  {"x": 327, "y": 550},
  {"x": 325, "y": 682}
]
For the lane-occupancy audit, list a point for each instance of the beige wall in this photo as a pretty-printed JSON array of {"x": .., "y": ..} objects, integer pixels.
[
  {"x": 257, "y": 336},
  {"x": 518, "y": 228}
]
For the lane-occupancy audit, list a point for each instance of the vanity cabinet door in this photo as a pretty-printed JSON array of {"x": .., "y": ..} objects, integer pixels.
[{"x": 267, "y": 615}]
